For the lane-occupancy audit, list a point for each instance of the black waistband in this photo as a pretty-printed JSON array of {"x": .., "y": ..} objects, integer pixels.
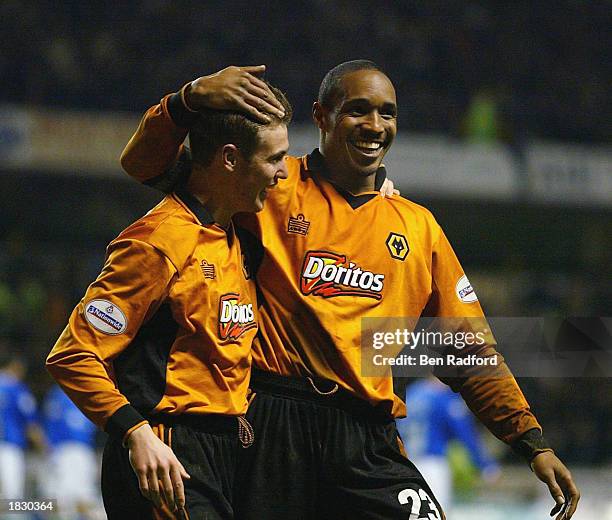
[
  {"x": 208, "y": 423},
  {"x": 320, "y": 391}
]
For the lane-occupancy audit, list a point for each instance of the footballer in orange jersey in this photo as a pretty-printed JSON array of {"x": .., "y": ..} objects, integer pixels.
[
  {"x": 332, "y": 252},
  {"x": 158, "y": 351}
]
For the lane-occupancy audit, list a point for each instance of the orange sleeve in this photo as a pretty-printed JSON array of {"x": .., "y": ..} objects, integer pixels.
[
  {"x": 494, "y": 396},
  {"x": 132, "y": 284},
  {"x": 157, "y": 143}
]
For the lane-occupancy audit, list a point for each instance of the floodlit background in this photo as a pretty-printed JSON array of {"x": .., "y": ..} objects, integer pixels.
[{"x": 505, "y": 133}]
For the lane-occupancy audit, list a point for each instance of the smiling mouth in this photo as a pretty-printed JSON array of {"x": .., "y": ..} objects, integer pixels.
[{"x": 371, "y": 148}]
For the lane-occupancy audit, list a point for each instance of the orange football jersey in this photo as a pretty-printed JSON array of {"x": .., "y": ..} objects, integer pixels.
[
  {"x": 167, "y": 326},
  {"x": 330, "y": 259}
]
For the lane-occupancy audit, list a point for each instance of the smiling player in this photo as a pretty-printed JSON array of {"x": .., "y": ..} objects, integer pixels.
[{"x": 331, "y": 253}]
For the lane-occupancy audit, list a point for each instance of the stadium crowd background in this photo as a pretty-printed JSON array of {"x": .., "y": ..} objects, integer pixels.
[
  {"x": 480, "y": 71},
  {"x": 543, "y": 64}
]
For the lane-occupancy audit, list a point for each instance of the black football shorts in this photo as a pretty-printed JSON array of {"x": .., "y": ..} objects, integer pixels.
[
  {"x": 207, "y": 446},
  {"x": 322, "y": 454}
]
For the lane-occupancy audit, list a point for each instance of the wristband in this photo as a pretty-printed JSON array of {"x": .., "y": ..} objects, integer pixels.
[
  {"x": 184, "y": 100},
  {"x": 530, "y": 444},
  {"x": 181, "y": 114}
]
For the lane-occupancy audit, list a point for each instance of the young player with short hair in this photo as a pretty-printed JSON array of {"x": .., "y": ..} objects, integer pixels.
[{"x": 158, "y": 351}]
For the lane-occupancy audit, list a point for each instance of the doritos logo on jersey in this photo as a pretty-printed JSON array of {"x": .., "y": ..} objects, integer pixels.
[
  {"x": 105, "y": 317},
  {"x": 234, "y": 318},
  {"x": 330, "y": 274}
]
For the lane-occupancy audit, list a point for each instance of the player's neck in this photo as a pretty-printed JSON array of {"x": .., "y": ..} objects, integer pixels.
[
  {"x": 212, "y": 194},
  {"x": 218, "y": 209},
  {"x": 347, "y": 179}
]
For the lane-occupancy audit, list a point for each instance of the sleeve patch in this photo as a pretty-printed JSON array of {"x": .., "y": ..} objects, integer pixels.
[
  {"x": 465, "y": 291},
  {"x": 105, "y": 317}
]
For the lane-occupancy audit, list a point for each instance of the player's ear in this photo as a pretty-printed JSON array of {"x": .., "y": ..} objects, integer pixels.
[
  {"x": 319, "y": 116},
  {"x": 229, "y": 156}
]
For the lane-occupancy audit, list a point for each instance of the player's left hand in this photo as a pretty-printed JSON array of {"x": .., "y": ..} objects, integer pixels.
[
  {"x": 388, "y": 189},
  {"x": 235, "y": 88},
  {"x": 550, "y": 470}
]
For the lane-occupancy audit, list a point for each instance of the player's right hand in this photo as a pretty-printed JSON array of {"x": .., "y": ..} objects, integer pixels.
[
  {"x": 160, "y": 474},
  {"x": 235, "y": 88},
  {"x": 550, "y": 470}
]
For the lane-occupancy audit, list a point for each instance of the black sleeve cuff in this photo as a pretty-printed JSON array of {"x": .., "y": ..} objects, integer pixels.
[
  {"x": 179, "y": 113},
  {"x": 122, "y": 420},
  {"x": 530, "y": 444}
]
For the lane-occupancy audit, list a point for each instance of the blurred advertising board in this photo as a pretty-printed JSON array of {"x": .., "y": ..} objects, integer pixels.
[{"x": 90, "y": 143}]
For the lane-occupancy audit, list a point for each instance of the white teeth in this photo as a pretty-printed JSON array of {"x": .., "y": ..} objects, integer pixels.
[{"x": 367, "y": 144}]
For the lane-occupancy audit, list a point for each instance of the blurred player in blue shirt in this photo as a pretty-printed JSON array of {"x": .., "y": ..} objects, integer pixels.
[
  {"x": 64, "y": 422},
  {"x": 73, "y": 468},
  {"x": 18, "y": 425},
  {"x": 437, "y": 416}
]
